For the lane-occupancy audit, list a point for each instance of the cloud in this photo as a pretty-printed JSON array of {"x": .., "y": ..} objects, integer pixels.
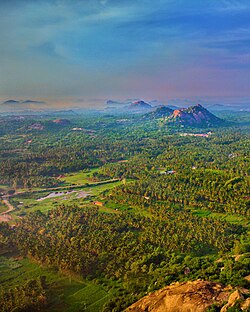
[{"x": 72, "y": 47}]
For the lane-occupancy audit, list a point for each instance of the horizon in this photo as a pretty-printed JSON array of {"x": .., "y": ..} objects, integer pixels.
[
  {"x": 46, "y": 105},
  {"x": 106, "y": 49}
]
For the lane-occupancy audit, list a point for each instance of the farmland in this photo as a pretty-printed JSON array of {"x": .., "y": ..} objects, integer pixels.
[
  {"x": 111, "y": 214},
  {"x": 66, "y": 291}
]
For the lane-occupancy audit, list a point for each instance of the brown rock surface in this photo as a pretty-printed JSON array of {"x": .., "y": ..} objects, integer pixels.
[
  {"x": 194, "y": 296},
  {"x": 246, "y": 305},
  {"x": 194, "y": 116},
  {"x": 236, "y": 295}
]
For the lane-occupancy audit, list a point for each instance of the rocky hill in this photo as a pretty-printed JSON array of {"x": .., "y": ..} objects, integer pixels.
[
  {"x": 139, "y": 105},
  {"x": 195, "y": 116},
  {"x": 195, "y": 296},
  {"x": 160, "y": 112}
]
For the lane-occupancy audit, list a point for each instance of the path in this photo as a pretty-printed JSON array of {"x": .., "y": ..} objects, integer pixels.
[
  {"x": 8, "y": 204},
  {"x": 4, "y": 216},
  {"x": 66, "y": 187}
]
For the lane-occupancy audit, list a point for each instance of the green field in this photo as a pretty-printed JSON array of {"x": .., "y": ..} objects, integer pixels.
[
  {"x": 234, "y": 219},
  {"x": 78, "y": 178},
  {"x": 27, "y": 202},
  {"x": 70, "y": 293}
]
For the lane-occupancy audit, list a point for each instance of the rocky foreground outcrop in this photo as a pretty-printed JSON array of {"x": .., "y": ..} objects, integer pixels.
[{"x": 195, "y": 296}]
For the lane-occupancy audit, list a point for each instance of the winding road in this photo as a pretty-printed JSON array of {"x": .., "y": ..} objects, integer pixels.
[{"x": 4, "y": 216}]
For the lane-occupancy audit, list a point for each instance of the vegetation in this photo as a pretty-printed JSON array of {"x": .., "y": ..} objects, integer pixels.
[{"x": 119, "y": 207}]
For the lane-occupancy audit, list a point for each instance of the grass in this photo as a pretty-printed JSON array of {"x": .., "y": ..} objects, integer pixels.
[
  {"x": 216, "y": 171},
  {"x": 233, "y": 219},
  {"x": 98, "y": 189},
  {"x": 26, "y": 203},
  {"x": 65, "y": 293},
  {"x": 79, "y": 177},
  {"x": 121, "y": 207},
  {"x": 90, "y": 298},
  {"x": 3, "y": 207}
]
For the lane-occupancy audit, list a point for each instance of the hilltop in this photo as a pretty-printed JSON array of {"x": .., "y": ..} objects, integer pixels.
[
  {"x": 195, "y": 116},
  {"x": 160, "y": 112},
  {"x": 139, "y": 105}
]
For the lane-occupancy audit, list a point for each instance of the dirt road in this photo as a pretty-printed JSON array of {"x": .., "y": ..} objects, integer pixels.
[{"x": 4, "y": 216}]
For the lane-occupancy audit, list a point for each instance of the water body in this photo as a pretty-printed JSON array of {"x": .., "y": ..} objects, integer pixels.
[{"x": 81, "y": 194}]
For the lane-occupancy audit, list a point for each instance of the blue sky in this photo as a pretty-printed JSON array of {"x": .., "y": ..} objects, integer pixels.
[{"x": 122, "y": 48}]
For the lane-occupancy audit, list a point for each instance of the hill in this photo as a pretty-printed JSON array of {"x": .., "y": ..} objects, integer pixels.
[
  {"x": 22, "y": 102},
  {"x": 33, "y": 102},
  {"x": 139, "y": 105},
  {"x": 195, "y": 116},
  {"x": 11, "y": 102},
  {"x": 160, "y": 112}
]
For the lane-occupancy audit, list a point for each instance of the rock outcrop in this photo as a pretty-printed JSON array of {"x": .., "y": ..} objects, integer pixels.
[
  {"x": 195, "y": 296},
  {"x": 195, "y": 116}
]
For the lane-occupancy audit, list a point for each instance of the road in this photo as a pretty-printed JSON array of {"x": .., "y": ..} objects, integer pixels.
[
  {"x": 8, "y": 204},
  {"x": 65, "y": 187},
  {"x": 4, "y": 216}
]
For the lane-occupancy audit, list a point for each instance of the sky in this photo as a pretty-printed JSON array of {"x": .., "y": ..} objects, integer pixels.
[{"x": 116, "y": 49}]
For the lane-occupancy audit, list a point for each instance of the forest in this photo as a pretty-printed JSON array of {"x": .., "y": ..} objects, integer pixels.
[{"x": 125, "y": 204}]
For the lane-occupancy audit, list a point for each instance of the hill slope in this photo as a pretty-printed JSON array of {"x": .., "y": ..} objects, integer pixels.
[
  {"x": 195, "y": 116},
  {"x": 160, "y": 112},
  {"x": 139, "y": 105}
]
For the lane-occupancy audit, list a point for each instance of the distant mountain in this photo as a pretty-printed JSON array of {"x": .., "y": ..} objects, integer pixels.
[
  {"x": 229, "y": 107},
  {"x": 112, "y": 102},
  {"x": 156, "y": 103},
  {"x": 119, "y": 104},
  {"x": 195, "y": 116},
  {"x": 139, "y": 105},
  {"x": 11, "y": 102},
  {"x": 32, "y": 102},
  {"x": 160, "y": 112}
]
